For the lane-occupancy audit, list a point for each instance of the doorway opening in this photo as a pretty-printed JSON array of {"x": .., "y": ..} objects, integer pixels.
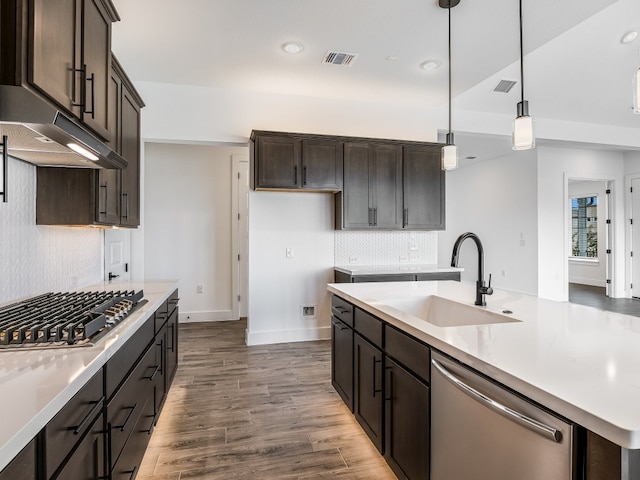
[{"x": 589, "y": 230}]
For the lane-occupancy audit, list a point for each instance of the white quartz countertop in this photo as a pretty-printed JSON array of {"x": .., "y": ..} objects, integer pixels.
[
  {"x": 578, "y": 361},
  {"x": 36, "y": 384},
  {"x": 394, "y": 269}
]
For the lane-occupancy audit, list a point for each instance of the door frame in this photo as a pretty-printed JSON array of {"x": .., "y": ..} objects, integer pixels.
[
  {"x": 239, "y": 240},
  {"x": 628, "y": 230}
]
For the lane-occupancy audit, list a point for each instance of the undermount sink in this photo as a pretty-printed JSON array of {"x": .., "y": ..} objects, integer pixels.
[{"x": 446, "y": 313}]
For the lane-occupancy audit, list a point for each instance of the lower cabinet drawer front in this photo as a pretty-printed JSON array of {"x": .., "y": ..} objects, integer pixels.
[
  {"x": 119, "y": 365},
  {"x": 128, "y": 464},
  {"x": 126, "y": 407},
  {"x": 23, "y": 467},
  {"x": 368, "y": 326},
  {"x": 66, "y": 429},
  {"x": 87, "y": 460},
  {"x": 408, "y": 351}
]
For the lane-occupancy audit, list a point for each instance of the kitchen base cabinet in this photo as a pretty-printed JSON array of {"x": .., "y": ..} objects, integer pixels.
[
  {"x": 87, "y": 461},
  {"x": 342, "y": 360},
  {"x": 406, "y": 423},
  {"x": 367, "y": 380},
  {"x": 342, "y": 277},
  {"x": 129, "y": 462},
  {"x": 23, "y": 467}
]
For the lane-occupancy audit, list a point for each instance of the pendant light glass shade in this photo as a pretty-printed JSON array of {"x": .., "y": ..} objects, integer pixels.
[
  {"x": 449, "y": 154},
  {"x": 636, "y": 91},
  {"x": 523, "y": 137}
]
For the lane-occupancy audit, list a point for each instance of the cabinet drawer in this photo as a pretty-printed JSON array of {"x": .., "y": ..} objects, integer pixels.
[
  {"x": 120, "y": 364},
  {"x": 66, "y": 429},
  {"x": 128, "y": 464},
  {"x": 172, "y": 302},
  {"x": 342, "y": 310},
  {"x": 392, "y": 277},
  {"x": 87, "y": 460},
  {"x": 23, "y": 466},
  {"x": 126, "y": 407},
  {"x": 438, "y": 276},
  {"x": 161, "y": 316},
  {"x": 368, "y": 326},
  {"x": 408, "y": 351}
]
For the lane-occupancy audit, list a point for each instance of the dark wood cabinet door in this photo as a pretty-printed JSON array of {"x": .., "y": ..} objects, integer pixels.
[
  {"x": 87, "y": 461},
  {"x": 130, "y": 135},
  {"x": 108, "y": 203},
  {"x": 53, "y": 51},
  {"x": 278, "y": 162},
  {"x": 342, "y": 360},
  {"x": 172, "y": 347},
  {"x": 407, "y": 423},
  {"x": 322, "y": 164},
  {"x": 23, "y": 467},
  {"x": 96, "y": 56},
  {"x": 357, "y": 212},
  {"x": 424, "y": 188},
  {"x": 386, "y": 186},
  {"x": 367, "y": 381}
]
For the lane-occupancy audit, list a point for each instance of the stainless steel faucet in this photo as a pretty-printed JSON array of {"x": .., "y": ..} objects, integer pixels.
[{"x": 481, "y": 289}]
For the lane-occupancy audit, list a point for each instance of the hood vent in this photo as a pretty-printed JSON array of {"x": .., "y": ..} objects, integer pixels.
[
  {"x": 40, "y": 134},
  {"x": 504, "y": 86},
  {"x": 339, "y": 58}
]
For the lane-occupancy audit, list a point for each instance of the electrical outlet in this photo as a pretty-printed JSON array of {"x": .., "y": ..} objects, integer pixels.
[
  {"x": 353, "y": 259},
  {"x": 413, "y": 246},
  {"x": 414, "y": 257},
  {"x": 403, "y": 258},
  {"x": 199, "y": 289},
  {"x": 289, "y": 252}
]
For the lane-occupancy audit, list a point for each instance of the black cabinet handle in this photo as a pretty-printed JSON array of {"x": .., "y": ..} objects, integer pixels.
[
  {"x": 172, "y": 328},
  {"x": 83, "y": 87},
  {"x": 304, "y": 175},
  {"x": 92, "y": 413},
  {"x": 153, "y": 424},
  {"x": 5, "y": 164},
  {"x": 375, "y": 390},
  {"x": 295, "y": 174},
  {"x": 389, "y": 391},
  {"x": 93, "y": 96},
  {"x": 339, "y": 325},
  {"x": 155, "y": 372},
  {"x": 405, "y": 217},
  {"x": 126, "y": 203},
  {"x": 106, "y": 197},
  {"x": 126, "y": 420},
  {"x": 132, "y": 472},
  {"x": 174, "y": 301},
  {"x": 375, "y": 216},
  {"x": 370, "y": 217}
]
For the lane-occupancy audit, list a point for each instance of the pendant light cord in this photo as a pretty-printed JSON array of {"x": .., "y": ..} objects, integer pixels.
[
  {"x": 449, "y": 8},
  {"x": 521, "y": 58}
]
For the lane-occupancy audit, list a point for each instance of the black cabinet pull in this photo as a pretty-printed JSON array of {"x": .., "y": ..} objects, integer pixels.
[
  {"x": 174, "y": 301},
  {"x": 295, "y": 174},
  {"x": 83, "y": 87},
  {"x": 304, "y": 175},
  {"x": 106, "y": 197},
  {"x": 126, "y": 420},
  {"x": 389, "y": 391},
  {"x": 132, "y": 472},
  {"x": 375, "y": 390},
  {"x": 155, "y": 372},
  {"x": 172, "y": 328},
  {"x": 153, "y": 424},
  {"x": 93, "y": 95},
  {"x": 405, "y": 217},
  {"x": 370, "y": 217},
  {"x": 126, "y": 203},
  {"x": 338, "y": 325},
  {"x": 5, "y": 164},
  {"x": 375, "y": 216},
  {"x": 92, "y": 413}
]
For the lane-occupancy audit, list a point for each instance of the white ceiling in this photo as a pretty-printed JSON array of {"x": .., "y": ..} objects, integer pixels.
[{"x": 576, "y": 69}]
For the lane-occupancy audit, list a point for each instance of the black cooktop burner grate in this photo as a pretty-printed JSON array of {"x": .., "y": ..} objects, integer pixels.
[{"x": 64, "y": 319}]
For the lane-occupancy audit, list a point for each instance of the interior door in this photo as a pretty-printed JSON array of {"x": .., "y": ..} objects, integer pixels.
[
  {"x": 635, "y": 237},
  {"x": 117, "y": 254},
  {"x": 240, "y": 232}
]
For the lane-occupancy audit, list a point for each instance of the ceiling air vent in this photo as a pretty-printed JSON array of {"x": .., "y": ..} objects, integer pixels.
[
  {"x": 339, "y": 58},
  {"x": 504, "y": 86}
]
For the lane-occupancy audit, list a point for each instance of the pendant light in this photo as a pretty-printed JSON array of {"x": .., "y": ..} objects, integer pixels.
[
  {"x": 450, "y": 150},
  {"x": 523, "y": 138}
]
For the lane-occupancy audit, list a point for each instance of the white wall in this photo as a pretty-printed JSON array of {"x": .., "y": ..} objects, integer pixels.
[
  {"x": 279, "y": 286},
  {"x": 594, "y": 270},
  {"x": 555, "y": 167},
  {"x": 187, "y": 226},
  {"x": 496, "y": 199},
  {"x": 37, "y": 259}
]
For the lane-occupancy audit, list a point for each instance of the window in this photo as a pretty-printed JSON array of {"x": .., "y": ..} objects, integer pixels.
[{"x": 584, "y": 227}]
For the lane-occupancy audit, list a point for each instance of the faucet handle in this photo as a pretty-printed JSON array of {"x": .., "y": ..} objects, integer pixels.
[{"x": 487, "y": 290}]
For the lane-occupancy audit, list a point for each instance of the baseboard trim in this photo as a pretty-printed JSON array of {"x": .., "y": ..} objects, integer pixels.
[
  {"x": 286, "y": 336},
  {"x": 215, "y": 316}
]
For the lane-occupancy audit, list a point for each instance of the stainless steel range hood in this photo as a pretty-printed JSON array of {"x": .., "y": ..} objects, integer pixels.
[{"x": 39, "y": 133}]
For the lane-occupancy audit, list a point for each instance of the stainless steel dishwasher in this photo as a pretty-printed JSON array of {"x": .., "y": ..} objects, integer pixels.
[{"x": 480, "y": 431}]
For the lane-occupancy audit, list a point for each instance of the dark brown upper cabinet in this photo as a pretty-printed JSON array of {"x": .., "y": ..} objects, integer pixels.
[
  {"x": 372, "y": 190},
  {"x": 69, "y": 56},
  {"x": 286, "y": 161},
  {"x": 75, "y": 196},
  {"x": 423, "y": 188}
]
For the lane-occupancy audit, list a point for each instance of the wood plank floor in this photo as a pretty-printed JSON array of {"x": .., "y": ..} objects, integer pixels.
[{"x": 262, "y": 412}]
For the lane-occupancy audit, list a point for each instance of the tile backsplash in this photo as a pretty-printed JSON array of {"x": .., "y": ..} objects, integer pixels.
[
  {"x": 385, "y": 247},
  {"x": 37, "y": 259}
]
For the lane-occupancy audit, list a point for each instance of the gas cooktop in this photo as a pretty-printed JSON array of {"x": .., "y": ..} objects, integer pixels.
[{"x": 71, "y": 319}]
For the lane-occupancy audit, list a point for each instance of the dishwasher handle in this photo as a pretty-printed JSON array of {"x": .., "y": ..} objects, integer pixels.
[{"x": 524, "y": 420}]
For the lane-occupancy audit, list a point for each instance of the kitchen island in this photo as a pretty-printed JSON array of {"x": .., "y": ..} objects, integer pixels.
[
  {"x": 38, "y": 383},
  {"x": 576, "y": 361}
]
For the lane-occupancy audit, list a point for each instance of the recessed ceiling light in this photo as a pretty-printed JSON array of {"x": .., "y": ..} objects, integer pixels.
[
  {"x": 292, "y": 47},
  {"x": 629, "y": 37},
  {"x": 430, "y": 64}
]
